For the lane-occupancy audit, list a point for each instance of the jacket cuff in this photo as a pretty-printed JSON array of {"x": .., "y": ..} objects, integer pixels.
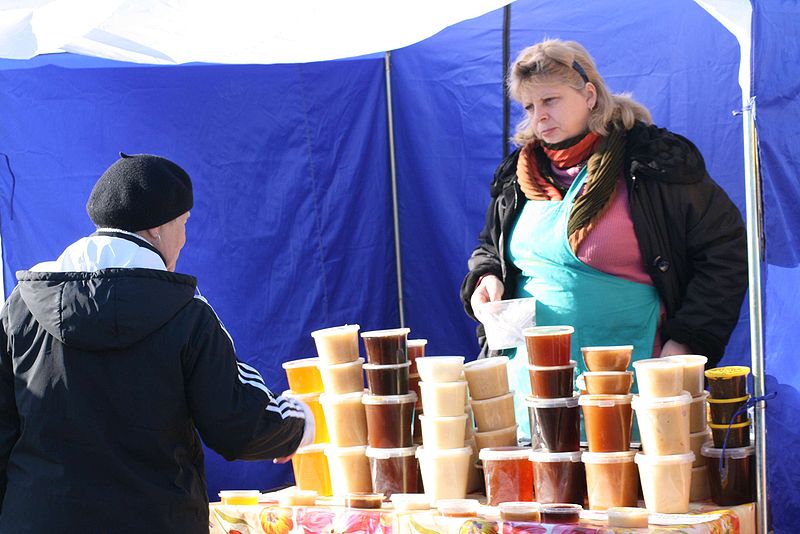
[
  {"x": 471, "y": 282},
  {"x": 699, "y": 342},
  {"x": 310, "y": 428}
]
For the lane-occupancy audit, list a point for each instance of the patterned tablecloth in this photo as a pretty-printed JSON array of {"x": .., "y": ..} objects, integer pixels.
[{"x": 270, "y": 518}]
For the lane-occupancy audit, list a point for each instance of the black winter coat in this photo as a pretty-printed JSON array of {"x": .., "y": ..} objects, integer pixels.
[
  {"x": 106, "y": 378},
  {"x": 691, "y": 237}
]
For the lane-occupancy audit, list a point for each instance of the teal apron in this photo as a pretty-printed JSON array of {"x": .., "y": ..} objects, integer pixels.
[{"x": 604, "y": 309}]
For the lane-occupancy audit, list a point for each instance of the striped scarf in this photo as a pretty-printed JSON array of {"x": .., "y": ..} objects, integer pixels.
[{"x": 605, "y": 158}]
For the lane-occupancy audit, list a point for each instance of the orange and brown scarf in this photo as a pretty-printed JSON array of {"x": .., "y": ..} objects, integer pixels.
[{"x": 604, "y": 157}]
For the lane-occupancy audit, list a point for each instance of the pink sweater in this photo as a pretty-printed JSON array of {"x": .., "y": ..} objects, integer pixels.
[{"x": 612, "y": 246}]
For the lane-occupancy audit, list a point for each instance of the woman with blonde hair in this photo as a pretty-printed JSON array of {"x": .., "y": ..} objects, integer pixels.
[{"x": 610, "y": 222}]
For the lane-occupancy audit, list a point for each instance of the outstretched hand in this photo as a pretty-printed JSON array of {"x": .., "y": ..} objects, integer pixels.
[{"x": 489, "y": 289}]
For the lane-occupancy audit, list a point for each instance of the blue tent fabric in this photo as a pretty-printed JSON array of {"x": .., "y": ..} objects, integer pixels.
[
  {"x": 776, "y": 65},
  {"x": 291, "y": 229}
]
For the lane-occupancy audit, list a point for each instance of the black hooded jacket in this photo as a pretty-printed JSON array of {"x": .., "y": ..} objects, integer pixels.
[
  {"x": 690, "y": 234},
  {"x": 106, "y": 378}
]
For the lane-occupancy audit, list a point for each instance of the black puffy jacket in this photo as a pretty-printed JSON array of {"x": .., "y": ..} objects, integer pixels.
[
  {"x": 691, "y": 237},
  {"x": 106, "y": 379}
]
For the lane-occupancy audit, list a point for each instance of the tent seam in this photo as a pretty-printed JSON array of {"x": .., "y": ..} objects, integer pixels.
[{"x": 314, "y": 191}]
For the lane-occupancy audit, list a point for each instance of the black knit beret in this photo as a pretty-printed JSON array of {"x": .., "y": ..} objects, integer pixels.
[{"x": 138, "y": 192}]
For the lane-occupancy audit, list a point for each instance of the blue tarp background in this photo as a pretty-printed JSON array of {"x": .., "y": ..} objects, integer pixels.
[{"x": 292, "y": 227}]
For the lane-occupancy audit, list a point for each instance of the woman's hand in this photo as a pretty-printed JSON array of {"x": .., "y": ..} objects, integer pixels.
[
  {"x": 671, "y": 348},
  {"x": 489, "y": 289}
]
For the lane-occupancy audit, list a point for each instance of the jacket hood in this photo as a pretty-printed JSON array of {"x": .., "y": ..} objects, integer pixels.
[
  {"x": 109, "y": 309},
  {"x": 102, "y": 306},
  {"x": 663, "y": 155}
]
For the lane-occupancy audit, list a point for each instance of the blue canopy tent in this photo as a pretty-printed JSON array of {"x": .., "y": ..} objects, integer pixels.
[{"x": 293, "y": 228}]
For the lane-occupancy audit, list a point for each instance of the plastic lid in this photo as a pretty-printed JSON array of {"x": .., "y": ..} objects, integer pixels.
[
  {"x": 390, "y": 399},
  {"x": 386, "y": 333},
  {"x": 359, "y": 361},
  {"x": 561, "y": 508},
  {"x": 378, "y": 366},
  {"x": 608, "y": 373},
  {"x": 335, "y": 330},
  {"x": 444, "y": 385},
  {"x": 660, "y": 362},
  {"x": 492, "y": 399},
  {"x": 507, "y": 429},
  {"x": 331, "y": 398},
  {"x": 604, "y": 401},
  {"x": 486, "y": 362},
  {"x": 543, "y": 456},
  {"x": 561, "y": 402},
  {"x": 305, "y": 397},
  {"x": 415, "y": 343},
  {"x": 313, "y": 448},
  {"x": 726, "y": 401},
  {"x": 724, "y": 373},
  {"x": 433, "y": 360},
  {"x": 735, "y": 426},
  {"x": 451, "y": 506},
  {"x": 461, "y": 451},
  {"x": 709, "y": 451},
  {"x": 385, "y": 454},
  {"x": 357, "y": 450},
  {"x": 688, "y": 358},
  {"x": 670, "y": 459},
  {"x": 422, "y": 417},
  {"x": 304, "y": 362},
  {"x": 571, "y": 364},
  {"x": 504, "y": 453},
  {"x": 626, "y": 512},
  {"x": 621, "y": 457},
  {"x": 533, "y": 331},
  {"x": 606, "y": 348},
  {"x": 518, "y": 506},
  {"x": 661, "y": 402},
  {"x": 706, "y": 431},
  {"x": 239, "y": 493},
  {"x": 416, "y": 501}
]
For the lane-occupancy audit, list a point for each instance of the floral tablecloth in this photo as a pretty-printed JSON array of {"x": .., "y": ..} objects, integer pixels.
[{"x": 270, "y": 518}]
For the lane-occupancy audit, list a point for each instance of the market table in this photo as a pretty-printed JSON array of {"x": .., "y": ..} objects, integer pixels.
[{"x": 271, "y": 518}]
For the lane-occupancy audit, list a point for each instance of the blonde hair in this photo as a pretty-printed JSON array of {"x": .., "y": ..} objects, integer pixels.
[{"x": 552, "y": 61}]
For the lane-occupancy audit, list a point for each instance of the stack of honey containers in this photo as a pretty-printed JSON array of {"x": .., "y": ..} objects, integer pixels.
[
  {"x": 390, "y": 410},
  {"x": 444, "y": 458},
  {"x": 612, "y": 479},
  {"x": 731, "y": 463},
  {"x": 508, "y": 473},
  {"x": 309, "y": 463},
  {"x": 670, "y": 403},
  {"x": 343, "y": 380},
  {"x": 554, "y": 416}
]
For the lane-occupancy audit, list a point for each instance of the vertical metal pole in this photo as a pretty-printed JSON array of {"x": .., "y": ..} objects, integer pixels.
[
  {"x": 387, "y": 64},
  {"x": 2, "y": 281},
  {"x": 754, "y": 253},
  {"x": 506, "y": 63}
]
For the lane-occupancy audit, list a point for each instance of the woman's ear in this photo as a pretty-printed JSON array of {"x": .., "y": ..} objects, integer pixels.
[{"x": 591, "y": 95}]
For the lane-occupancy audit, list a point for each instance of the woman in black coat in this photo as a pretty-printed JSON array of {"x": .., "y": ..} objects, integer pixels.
[{"x": 610, "y": 222}]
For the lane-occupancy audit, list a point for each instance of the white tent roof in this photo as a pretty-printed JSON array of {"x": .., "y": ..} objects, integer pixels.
[{"x": 234, "y": 31}]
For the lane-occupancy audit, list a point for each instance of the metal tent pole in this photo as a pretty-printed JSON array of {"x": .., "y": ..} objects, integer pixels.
[
  {"x": 387, "y": 63},
  {"x": 754, "y": 255}
]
